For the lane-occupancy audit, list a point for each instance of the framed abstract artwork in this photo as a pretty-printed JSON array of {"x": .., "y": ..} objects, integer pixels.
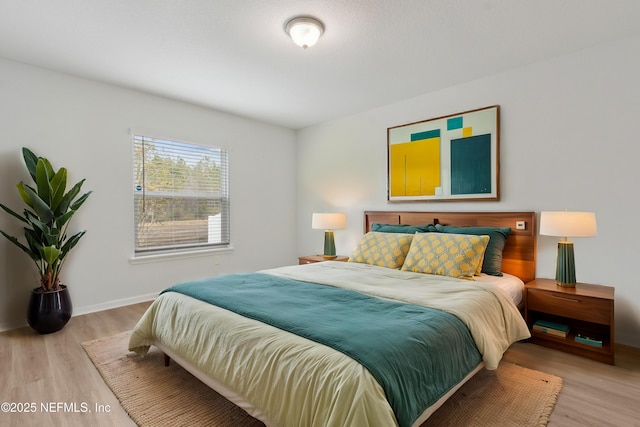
[{"x": 449, "y": 158}]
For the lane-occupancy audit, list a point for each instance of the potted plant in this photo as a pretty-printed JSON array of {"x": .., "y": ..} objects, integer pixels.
[{"x": 49, "y": 208}]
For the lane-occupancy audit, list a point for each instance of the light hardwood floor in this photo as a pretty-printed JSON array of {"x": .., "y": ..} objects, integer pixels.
[{"x": 53, "y": 370}]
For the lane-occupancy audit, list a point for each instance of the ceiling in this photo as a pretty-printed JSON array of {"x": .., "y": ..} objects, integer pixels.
[{"x": 234, "y": 56}]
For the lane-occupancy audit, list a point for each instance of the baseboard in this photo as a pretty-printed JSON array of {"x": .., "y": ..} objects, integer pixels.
[
  {"x": 113, "y": 304},
  {"x": 79, "y": 311},
  {"x": 9, "y": 326}
]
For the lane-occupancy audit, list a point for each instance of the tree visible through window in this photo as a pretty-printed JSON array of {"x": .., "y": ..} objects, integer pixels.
[{"x": 181, "y": 195}]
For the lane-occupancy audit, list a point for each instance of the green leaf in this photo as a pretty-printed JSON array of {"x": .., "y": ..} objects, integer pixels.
[
  {"x": 30, "y": 160},
  {"x": 45, "y": 234},
  {"x": 32, "y": 218},
  {"x": 80, "y": 201},
  {"x": 68, "y": 198},
  {"x": 35, "y": 244},
  {"x": 50, "y": 171},
  {"x": 62, "y": 220},
  {"x": 40, "y": 206},
  {"x": 22, "y": 190},
  {"x": 51, "y": 254},
  {"x": 33, "y": 255},
  {"x": 9, "y": 211},
  {"x": 71, "y": 242},
  {"x": 43, "y": 180},
  {"x": 58, "y": 187},
  {"x": 51, "y": 235}
]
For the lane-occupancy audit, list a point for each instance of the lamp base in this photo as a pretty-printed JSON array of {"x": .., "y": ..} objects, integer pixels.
[
  {"x": 565, "y": 285},
  {"x": 329, "y": 245},
  {"x": 565, "y": 266}
]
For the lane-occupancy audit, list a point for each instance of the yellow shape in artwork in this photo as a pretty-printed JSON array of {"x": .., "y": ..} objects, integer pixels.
[
  {"x": 414, "y": 168},
  {"x": 467, "y": 132}
]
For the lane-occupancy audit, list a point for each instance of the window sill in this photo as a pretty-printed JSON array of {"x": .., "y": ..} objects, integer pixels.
[{"x": 143, "y": 259}]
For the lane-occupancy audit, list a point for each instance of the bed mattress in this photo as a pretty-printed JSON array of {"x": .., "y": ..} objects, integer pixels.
[{"x": 287, "y": 380}]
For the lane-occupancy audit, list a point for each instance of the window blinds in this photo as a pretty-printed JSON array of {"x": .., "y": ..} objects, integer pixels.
[{"x": 181, "y": 195}]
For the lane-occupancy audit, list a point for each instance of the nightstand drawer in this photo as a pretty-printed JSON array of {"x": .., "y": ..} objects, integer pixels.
[{"x": 574, "y": 306}]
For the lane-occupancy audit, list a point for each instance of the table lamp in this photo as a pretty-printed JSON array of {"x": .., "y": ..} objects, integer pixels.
[
  {"x": 567, "y": 224},
  {"x": 328, "y": 222}
]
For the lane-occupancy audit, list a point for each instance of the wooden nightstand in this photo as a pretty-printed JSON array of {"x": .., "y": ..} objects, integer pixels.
[
  {"x": 586, "y": 309},
  {"x": 310, "y": 259}
]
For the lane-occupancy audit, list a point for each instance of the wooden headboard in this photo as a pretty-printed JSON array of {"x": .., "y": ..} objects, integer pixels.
[{"x": 519, "y": 255}]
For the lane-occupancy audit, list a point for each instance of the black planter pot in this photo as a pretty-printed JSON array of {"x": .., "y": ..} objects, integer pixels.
[{"x": 49, "y": 311}]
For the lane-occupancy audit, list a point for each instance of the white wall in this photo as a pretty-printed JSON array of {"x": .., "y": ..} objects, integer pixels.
[
  {"x": 84, "y": 126},
  {"x": 569, "y": 139}
]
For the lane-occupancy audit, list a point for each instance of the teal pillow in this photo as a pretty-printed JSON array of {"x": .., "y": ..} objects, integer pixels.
[
  {"x": 492, "y": 263},
  {"x": 402, "y": 228}
]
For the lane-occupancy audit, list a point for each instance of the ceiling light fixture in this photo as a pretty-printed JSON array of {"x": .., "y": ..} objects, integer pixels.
[{"x": 304, "y": 30}]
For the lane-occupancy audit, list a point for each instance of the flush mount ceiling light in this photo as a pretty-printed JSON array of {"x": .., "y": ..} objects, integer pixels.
[{"x": 304, "y": 30}]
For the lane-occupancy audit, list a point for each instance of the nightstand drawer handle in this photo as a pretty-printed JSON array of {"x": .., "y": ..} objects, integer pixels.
[{"x": 565, "y": 299}]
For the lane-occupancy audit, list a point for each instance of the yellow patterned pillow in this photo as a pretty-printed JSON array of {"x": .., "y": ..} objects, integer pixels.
[
  {"x": 455, "y": 255},
  {"x": 382, "y": 249}
]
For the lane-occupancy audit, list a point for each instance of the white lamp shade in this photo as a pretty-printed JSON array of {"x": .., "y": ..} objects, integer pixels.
[
  {"x": 568, "y": 224},
  {"x": 328, "y": 221},
  {"x": 304, "y": 31}
]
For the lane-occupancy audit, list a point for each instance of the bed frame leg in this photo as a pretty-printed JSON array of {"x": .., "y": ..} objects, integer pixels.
[{"x": 167, "y": 360}]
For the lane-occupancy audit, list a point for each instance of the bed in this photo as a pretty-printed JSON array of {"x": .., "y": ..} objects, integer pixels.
[{"x": 358, "y": 343}]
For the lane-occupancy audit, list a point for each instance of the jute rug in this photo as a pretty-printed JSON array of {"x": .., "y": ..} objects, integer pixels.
[{"x": 155, "y": 395}]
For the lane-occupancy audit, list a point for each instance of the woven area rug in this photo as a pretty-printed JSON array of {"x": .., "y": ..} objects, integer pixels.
[{"x": 155, "y": 395}]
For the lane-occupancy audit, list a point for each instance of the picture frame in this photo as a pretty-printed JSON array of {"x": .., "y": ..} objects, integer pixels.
[{"x": 450, "y": 158}]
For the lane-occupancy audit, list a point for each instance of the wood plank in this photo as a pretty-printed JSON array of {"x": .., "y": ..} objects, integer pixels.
[{"x": 54, "y": 369}]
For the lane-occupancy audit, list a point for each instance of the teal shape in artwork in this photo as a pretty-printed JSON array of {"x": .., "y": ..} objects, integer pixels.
[
  {"x": 435, "y": 133},
  {"x": 471, "y": 165},
  {"x": 454, "y": 123}
]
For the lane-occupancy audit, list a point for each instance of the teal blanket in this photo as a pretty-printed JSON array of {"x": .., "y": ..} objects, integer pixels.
[{"x": 415, "y": 353}]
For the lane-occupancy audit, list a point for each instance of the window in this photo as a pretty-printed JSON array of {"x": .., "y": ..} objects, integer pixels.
[{"x": 181, "y": 196}]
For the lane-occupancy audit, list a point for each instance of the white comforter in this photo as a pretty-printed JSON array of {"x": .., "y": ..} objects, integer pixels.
[{"x": 288, "y": 380}]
